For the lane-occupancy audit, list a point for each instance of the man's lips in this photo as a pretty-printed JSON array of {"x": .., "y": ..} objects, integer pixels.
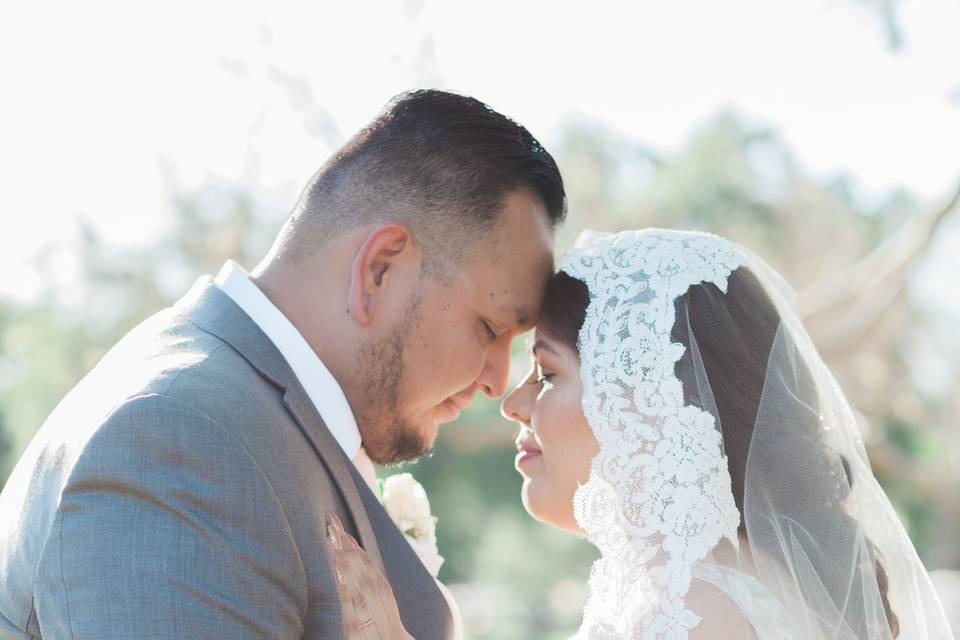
[
  {"x": 455, "y": 405},
  {"x": 460, "y": 402}
]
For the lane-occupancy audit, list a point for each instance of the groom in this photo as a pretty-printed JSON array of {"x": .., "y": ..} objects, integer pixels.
[{"x": 182, "y": 488}]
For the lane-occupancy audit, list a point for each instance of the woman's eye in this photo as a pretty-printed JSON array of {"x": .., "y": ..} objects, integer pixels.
[{"x": 542, "y": 378}]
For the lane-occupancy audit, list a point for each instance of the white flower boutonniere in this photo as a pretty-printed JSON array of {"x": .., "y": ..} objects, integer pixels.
[{"x": 408, "y": 506}]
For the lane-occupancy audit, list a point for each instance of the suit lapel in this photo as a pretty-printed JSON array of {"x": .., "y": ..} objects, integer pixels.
[
  {"x": 310, "y": 422},
  {"x": 216, "y": 313},
  {"x": 423, "y": 608}
]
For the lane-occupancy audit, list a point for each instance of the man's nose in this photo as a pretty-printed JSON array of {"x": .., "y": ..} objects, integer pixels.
[{"x": 496, "y": 371}]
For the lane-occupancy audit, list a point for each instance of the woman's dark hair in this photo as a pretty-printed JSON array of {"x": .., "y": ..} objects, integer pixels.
[{"x": 734, "y": 333}]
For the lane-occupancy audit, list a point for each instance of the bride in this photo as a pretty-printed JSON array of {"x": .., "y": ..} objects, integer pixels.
[{"x": 679, "y": 416}]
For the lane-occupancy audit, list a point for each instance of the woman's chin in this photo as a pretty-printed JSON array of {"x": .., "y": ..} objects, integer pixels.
[
  {"x": 525, "y": 499},
  {"x": 544, "y": 506}
]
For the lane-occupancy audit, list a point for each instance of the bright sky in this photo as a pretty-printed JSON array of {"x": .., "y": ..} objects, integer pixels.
[{"x": 98, "y": 96}]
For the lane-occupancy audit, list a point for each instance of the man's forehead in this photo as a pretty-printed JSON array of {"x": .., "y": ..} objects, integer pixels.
[
  {"x": 523, "y": 235},
  {"x": 522, "y": 318},
  {"x": 518, "y": 308},
  {"x": 518, "y": 299},
  {"x": 519, "y": 261}
]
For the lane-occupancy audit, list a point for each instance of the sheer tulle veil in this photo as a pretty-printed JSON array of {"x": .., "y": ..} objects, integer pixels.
[{"x": 779, "y": 509}]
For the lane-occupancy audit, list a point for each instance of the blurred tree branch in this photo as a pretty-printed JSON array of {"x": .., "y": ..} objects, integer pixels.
[
  {"x": 841, "y": 309},
  {"x": 886, "y": 13}
]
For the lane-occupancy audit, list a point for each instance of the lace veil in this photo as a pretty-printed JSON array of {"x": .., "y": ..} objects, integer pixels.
[{"x": 782, "y": 506}]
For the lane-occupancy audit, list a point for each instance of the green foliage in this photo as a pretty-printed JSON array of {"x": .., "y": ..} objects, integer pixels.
[
  {"x": 44, "y": 354},
  {"x": 47, "y": 347},
  {"x": 912, "y": 441}
]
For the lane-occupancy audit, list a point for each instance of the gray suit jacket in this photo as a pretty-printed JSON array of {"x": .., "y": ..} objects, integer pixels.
[{"x": 180, "y": 491}]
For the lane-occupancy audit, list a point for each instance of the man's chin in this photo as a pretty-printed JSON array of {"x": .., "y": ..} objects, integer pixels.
[
  {"x": 409, "y": 446},
  {"x": 428, "y": 436}
]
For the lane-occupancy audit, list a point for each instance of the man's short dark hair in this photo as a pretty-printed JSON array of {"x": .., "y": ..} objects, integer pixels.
[{"x": 441, "y": 162}]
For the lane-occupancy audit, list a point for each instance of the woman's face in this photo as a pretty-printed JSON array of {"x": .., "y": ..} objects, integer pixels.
[{"x": 555, "y": 444}]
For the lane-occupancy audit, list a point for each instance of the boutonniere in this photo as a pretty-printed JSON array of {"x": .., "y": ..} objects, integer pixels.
[{"x": 407, "y": 504}]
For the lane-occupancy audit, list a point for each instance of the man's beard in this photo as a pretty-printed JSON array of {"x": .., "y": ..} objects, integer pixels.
[{"x": 387, "y": 438}]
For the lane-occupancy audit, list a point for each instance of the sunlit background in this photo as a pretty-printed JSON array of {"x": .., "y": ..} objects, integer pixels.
[{"x": 140, "y": 146}]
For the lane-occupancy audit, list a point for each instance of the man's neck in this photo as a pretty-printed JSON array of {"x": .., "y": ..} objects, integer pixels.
[{"x": 315, "y": 313}]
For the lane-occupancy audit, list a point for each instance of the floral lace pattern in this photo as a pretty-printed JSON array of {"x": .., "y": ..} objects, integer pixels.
[{"x": 659, "y": 496}]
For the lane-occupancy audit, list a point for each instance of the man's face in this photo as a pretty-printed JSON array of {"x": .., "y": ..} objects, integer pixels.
[{"x": 453, "y": 338}]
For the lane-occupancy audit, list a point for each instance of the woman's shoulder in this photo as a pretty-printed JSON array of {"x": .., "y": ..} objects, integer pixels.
[
  {"x": 720, "y": 612},
  {"x": 734, "y": 604}
]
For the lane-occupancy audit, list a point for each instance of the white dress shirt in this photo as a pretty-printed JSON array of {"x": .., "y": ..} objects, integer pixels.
[{"x": 321, "y": 387}]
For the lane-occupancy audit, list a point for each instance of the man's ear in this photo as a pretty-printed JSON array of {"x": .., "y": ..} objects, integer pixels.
[{"x": 386, "y": 249}]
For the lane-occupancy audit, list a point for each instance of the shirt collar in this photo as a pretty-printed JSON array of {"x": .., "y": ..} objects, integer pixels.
[{"x": 322, "y": 388}]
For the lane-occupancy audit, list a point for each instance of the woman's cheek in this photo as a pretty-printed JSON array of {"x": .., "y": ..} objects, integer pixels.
[
  {"x": 582, "y": 444},
  {"x": 587, "y": 451},
  {"x": 565, "y": 440}
]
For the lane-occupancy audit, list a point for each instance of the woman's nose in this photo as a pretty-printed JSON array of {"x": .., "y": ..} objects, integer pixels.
[{"x": 515, "y": 407}]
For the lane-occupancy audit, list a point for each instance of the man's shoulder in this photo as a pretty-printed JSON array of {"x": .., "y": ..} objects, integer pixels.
[
  {"x": 152, "y": 355},
  {"x": 165, "y": 364},
  {"x": 171, "y": 356}
]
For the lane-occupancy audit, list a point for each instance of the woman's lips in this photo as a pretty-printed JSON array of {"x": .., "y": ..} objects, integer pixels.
[
  {"x": 524, "y": 457},
  {"x": 527, "y": 450}
]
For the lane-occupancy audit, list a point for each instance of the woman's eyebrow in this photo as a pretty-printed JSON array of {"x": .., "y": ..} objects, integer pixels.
[{"x": 543, "y": 344}]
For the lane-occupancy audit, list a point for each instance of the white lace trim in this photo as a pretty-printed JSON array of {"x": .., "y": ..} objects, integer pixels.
[{"x": 658, "y": 498}]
